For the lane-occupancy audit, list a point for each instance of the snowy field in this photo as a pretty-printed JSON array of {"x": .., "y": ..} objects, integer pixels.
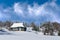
[{"x": 27, "y": 36}]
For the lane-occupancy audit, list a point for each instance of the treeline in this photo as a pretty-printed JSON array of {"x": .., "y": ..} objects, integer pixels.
[
  {"x": 6, "y": 24},
  {"x": 33, "y": 25},
  {"x": 50, "y": 28}
]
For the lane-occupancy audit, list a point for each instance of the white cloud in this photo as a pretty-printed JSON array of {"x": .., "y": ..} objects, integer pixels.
[
  {"x": 5, "y": 14},
  {"x": 18, "y": 8},
  {"x": 36, "y": 10}
]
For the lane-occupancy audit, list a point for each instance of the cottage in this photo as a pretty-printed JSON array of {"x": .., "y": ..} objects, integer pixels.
[{"x": 18, "y": 27}]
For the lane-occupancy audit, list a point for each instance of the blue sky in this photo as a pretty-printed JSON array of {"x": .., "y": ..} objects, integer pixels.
[
  {"x": 10, "y": 2},
  {"x": 37, "y": 11}
]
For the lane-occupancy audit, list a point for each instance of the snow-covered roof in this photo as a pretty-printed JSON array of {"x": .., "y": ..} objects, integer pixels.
[{"x": 17, "y": 25}]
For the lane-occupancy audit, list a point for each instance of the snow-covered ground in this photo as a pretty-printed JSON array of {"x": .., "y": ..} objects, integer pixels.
[{"x": 27, "y": 36}]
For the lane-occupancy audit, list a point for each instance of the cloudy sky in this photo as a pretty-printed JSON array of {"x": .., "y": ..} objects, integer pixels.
[{"x": 30, "y": 10}]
